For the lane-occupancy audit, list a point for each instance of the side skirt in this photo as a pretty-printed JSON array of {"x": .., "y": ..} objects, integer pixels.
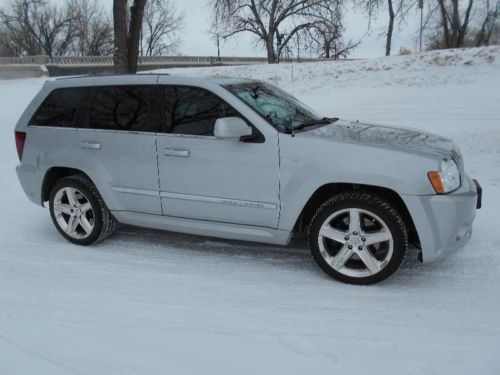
[{"x": 205, "y": 228}]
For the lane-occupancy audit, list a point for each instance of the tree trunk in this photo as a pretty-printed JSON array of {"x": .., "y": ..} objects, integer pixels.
[
  {"x": 327, "y": 46},
  {"x": 271, "y": 54},
  {"x": 120, "y": 54},
  {"x": 444, "y": 20},
  {"x": 463, "y": 29},
  {"x": 390, "y": 29},
  {"x": 455, "y": 24},
  {"x": 134, "y": 34}
]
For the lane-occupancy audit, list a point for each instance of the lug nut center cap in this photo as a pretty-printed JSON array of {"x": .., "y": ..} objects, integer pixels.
[{"x": 356, "y": 241}]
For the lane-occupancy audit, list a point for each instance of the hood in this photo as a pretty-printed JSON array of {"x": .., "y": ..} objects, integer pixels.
[{"x": 401, "y": 139}]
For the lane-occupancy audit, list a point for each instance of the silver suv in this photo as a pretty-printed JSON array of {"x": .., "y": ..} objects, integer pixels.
[{"x": 241, "y": 159}]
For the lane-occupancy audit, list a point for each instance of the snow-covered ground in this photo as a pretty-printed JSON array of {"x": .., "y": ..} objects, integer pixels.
[{"x": 150, "y": 302}]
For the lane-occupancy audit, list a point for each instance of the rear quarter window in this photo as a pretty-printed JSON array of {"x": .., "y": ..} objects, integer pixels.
[{"x": 60, "y": 108}]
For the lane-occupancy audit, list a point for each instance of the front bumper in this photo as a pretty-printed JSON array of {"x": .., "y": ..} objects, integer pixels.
[{"x": 444, "y": 222}]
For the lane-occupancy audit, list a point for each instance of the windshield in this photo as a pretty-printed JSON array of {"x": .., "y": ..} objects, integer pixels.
[{"x": 279, "y": 108}]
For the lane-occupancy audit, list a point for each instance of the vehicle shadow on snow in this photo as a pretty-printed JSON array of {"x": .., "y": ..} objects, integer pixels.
[{"x": 296, "y": 256}]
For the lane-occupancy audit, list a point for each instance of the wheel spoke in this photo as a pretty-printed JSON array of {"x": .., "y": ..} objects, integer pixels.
[
  {"x": 371, "y": 263},
  {"x": 333, "y": 234},
  {"x": 85, "y": 224},
  {"x": 85, "y": 207},
  {"x": 72, "y": 224},
  {"x": 374, "y": 238},
  {"x": 354, "y": 221},
  {"x": 62, "y": 208},
  {"x": 341, "y": 258},
  {"x": 70, "y": 194}
]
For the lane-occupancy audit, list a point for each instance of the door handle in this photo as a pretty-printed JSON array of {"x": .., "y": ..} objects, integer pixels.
[
  {"x": 91, "y": 145},
  {"x": 177, "y": 152}
]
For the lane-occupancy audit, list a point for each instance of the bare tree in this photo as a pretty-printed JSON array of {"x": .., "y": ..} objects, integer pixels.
[
  {"x": 275, "y": 22},
  {"x": 16, "y": 37},
  {"x": 334, "y": 46},
  {"x": 489, "y": 24},
  {"x": 36, "y": 26},
  {"x": 127, "y": 34},
  {"x": 395, "y": 9},
  {"x": 94, "y": 31},
  {"x": 161, "y": 26},
  {"x": 461, "y": 23},
  {"x": 453, "y": 24},
  {"x": 325, "y": 37}
]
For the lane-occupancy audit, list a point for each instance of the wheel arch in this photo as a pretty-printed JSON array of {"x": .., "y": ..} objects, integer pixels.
[
  {"x": 53, "y": 175},
  {"x": 325, "y": 191}
]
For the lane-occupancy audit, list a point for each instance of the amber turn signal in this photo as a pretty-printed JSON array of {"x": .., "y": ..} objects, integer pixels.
[{"x": 437, "y": 183}]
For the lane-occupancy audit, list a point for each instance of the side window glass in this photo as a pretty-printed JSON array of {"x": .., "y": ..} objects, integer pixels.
[
  {"x": 192, "y": 110},
  {"x": 122, "y": 108},
  {"x": 60, "y": 108}
]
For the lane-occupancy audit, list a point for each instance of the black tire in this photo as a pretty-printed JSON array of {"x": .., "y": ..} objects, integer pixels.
[
  {"x": 368, "y": 202},
  {"x": 104, "y": 222}
]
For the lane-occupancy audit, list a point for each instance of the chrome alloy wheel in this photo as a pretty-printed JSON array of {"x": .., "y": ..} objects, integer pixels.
[
  {"x": 355, "y": 242},
  {"x": 73, "y": 213}
]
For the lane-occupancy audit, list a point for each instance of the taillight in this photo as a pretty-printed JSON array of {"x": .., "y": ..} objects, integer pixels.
[{"x": 20, "y": 139}]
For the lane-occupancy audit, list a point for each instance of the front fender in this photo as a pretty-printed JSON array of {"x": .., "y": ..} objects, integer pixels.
[{"x": 306, "y": 164}]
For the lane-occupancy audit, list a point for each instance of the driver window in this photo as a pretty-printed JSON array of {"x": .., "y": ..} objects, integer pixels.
[{"x": 193, "y": 110}]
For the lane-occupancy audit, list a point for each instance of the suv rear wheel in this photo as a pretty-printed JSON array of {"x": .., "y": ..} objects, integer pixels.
[
  {"x": 358, "y": 238},
  {"x": 79, "y": 212}
]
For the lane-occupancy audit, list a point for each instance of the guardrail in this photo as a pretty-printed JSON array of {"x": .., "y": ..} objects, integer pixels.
[
  {"x": 36, "y": 66},
  {"x": 144, "y": 60}
]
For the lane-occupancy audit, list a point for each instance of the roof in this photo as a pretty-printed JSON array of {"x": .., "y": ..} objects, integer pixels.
[{"x": 143, "y": 78}]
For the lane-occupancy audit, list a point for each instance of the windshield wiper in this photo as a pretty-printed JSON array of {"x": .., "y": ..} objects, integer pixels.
[{"x": 321, "y": 121}]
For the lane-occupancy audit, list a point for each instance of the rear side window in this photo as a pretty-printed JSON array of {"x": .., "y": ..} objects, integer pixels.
[
  {"x": 60, "y": 108},
  {"x": 122, "y": 108},
  {"x": 192, "y": 110}
]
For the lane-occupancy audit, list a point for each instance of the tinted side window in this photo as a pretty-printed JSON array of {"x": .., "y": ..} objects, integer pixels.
[
  {"x": 60, "y": 108},
  {"x": 192, "y": 110},
  {"x": 121, "y": 108}
]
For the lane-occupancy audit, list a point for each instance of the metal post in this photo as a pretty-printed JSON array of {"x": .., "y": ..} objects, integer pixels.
[{"x": 218, "y": 48}]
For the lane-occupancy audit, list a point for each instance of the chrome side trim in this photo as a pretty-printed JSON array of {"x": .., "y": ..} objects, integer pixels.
[
  {"x": 52, "y": 127},
  {"x": 227, "y": 201},
  {"x": 150, "y": 193},
  {"x": 112, "y": 131},
  {"x": 193, "y": 136}
]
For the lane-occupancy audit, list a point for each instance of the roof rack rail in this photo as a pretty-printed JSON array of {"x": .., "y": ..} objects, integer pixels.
[{"x": 108, "y": 75}]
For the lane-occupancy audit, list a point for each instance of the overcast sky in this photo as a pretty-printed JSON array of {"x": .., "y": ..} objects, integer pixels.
[{"x": 196, "y": 40}]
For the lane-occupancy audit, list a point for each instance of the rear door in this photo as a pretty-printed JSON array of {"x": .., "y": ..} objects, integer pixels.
[
  {"x": 118, "y": 146},
  {"x": 203, "y": 177}
]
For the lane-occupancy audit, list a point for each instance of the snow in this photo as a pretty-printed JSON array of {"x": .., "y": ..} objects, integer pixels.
[{"x": 149, "y": 302}]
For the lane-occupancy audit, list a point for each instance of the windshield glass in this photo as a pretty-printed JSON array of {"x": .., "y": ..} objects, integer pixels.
[{"x": 279, "y": 108}]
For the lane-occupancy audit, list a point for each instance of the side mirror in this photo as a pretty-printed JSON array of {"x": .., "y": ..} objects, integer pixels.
[{"x": 231, "y": 128}]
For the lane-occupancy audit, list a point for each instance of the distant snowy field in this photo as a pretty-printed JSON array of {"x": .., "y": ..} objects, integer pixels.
[{"x": 150, "y": 302}]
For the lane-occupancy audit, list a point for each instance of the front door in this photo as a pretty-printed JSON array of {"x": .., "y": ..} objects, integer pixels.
[{"x": 203, "y": 177}]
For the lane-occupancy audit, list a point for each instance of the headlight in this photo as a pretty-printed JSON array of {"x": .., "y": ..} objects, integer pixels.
[{"x": 447, "y": 179}]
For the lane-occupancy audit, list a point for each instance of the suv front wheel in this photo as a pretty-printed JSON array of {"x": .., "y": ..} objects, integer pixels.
[
  {"x": 79, "y": 212},
  {"x": 358, "y": 238}
]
